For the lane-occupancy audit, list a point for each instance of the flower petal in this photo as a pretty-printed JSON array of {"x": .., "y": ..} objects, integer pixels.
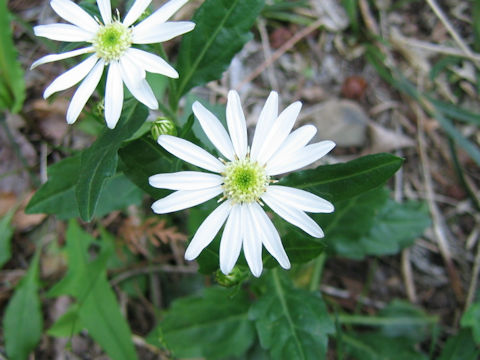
[
  {"x": 293, "y": 216},
  {"x": 265, "y": 121},
  {"x": 231, "y": 242},
  {"x": 185, "y": 180},
  {"x": 191, "y": 153},
  {"x": 214, "y": 130},
  {"x": 74, "y": 14},
  {"x": 161, "y": 15},
  {"x": 84, "y": 91},
  {"x": 271, "y": 239},
  {"x": 252, "y": 245},
  {"x": 152, "y": 63},
  {"x": 105, "y": 10},
  {"x": 113, "y": 95},
  {"x": 183, "y": 199},
  {"x": 295, "y": 141},
  {"x": 303, "y": 157},
  {"x": 71, "y": 77},
  {"x": 137, "y": 9},
  {"x": 208, "y": 230},
  {"x": 63, "y": 32},
  {"x": 134, "y": 78},
  {"x": 55, "y": 57},
  {"x": 279, "y": 132},
  {"x": 160, "y": 33},
  {"x": 237, "y": 127},
  {"x": 300, "y": 199}
]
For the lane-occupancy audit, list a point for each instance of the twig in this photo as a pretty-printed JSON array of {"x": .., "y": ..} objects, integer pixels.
[
  {"x": 408, "y": 276},
  {"x": 284, "y": 48},
  {"x": 152, "y": 268},
  {"x": 267, "y": 51},
  {"x": 474, "y": 281}
]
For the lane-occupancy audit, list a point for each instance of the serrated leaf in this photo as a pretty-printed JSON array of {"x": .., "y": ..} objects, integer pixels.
[
  {"x": 213, "y": 326},
  {"x": 57, "y": 195},
  {"x": 6, "y": 232},
  {"x": 471, "y": 318},
  {"x": 99, "y": 161},
  {"x": 291, "y": 323},
  {"x": 222, "y": 27},
  {"x": 460, "y": 346},
  {"x": 12, "y": 84},
  {"x": 23, "y": 319},
  {"x": 86, "y": 280},
  {"x": 343, "y": 181}
]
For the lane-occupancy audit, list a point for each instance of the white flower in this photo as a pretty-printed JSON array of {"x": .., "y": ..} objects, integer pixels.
[
  {"x": 111, "y": 44},
  {"x": 244, "y": 178}
]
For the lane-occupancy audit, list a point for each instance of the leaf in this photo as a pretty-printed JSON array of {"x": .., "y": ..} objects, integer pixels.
[
  {"x": 57, "y": 195},
  {"x": 6, "y": 233},
  {"x": 23, "y": 320},
  {"x": 86, "y": 280},
  {"x": 68, "y": 324},
  {"x": 222, "y": 28},
  {"x": 456, "y": 112},
  {"x": 99, "y": 161},
  {"x": 291, "y": 323},
  {"x": 460, "y": 346},
  {"x": 343, "y": 181},
  {"x": 213, "y": 326},
  {"x": 471, "y": 319},
  {"x": 12, "y": 85}
]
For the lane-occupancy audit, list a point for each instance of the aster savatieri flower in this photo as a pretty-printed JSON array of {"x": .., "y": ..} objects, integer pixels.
[
  {"x": 110, "y": 43},
  {"x": 244, "y": 180}
]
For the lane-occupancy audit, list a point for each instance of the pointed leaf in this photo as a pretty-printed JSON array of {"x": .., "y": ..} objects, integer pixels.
[{"x": 6, "y": 232}]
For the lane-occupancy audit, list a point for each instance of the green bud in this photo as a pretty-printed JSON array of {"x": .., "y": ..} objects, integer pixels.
[
  {"x": 163, "y": 126},
  {"x": 235, "y": 277}
]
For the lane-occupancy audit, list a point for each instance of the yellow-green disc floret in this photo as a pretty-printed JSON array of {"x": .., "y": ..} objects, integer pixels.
[
  {"x": 112, "y": 40},
  {"x": 244, "y": 181}
]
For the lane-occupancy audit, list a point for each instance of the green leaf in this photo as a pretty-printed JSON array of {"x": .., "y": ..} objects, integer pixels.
[
  {"x": 471, "y": 318},
  {"x": 23, "y": 320},
  {"x": 6, "y": 232},
  {"x": 456, "y": 112},
  {"x": 68, "y": 324},
  {"x": 57, "y": 195},
  {"x": 221, "y": 29},
  {"x": 99, "y": 161},
  {"x": 460, "y": 346},
  {"x": 213, "y": 326},
  {"x": 12, "y": 85},
  {"x": 291, "y": 323},
  {"x": 86, "y": 280},
  {"x": 343, "y": 181}
]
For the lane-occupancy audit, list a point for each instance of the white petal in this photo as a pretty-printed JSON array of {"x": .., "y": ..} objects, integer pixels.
[
  {"x": 300, "y": 199},
  {"x": 134, "y": 78},
  {"x": 303, "y": 157},
  {"x": 161, "y": 15},
  {"x": 160, "y": 33},
  {"x": 279, "y": 132},
  {"x": 271, "y": 239},
  {"x": 55, "y": 57},
  {"x": 74, "y": 14},
  {"x": 63, "y": 32},
  {"x": 295, "y": 141},
  {"x": 252, "y": 245},
  {"x": 136, "y": 11},
  {"x": 183, "y": 199},
  {"x": 293, "y": 216},
  {"x": 264, "y": 125},
  {"x": 84, "y": 91},
  {"x": 191, "y": 153},
  {"x": 185, "y": 180},
  {"x": 214, "y": 130},
  {"x": 152, "y": 63},
  {"x": 71, "y": 77},
  {"x": 105, "y": 10},
  {"x": 231, "y": 242},
  {"x": 208, "y": 230},
  {"x": 113, "y": 95},
  {"x": 237, "y": 127}
]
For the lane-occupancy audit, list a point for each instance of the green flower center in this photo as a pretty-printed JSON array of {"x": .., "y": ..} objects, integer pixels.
[
  {"x": 244, "y": 181},
  {"x": 112, "y": 40}
]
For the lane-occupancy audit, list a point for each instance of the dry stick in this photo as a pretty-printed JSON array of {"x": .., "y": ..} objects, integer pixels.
[
  {"x": 438, "y": 224},
  {"x": 267, "y": 51},
  {"x": 473, "y": 283},
  {"x": 283, "y": 49},
  {"x": 151, "y": 269}
]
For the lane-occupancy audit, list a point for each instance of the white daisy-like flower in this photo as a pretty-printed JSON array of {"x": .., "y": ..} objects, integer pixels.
[
  {"x": 244, "y": 181},
  {"x": 111, "y": 44}
]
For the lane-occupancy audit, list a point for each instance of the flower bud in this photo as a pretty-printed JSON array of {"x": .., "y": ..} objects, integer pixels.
[{"x": 163, "y": 126}]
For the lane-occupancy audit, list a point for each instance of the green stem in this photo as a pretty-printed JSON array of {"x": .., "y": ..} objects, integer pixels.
[
  {"x": 317, "y": 271},
  {"x": 378, "y": 321}
]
